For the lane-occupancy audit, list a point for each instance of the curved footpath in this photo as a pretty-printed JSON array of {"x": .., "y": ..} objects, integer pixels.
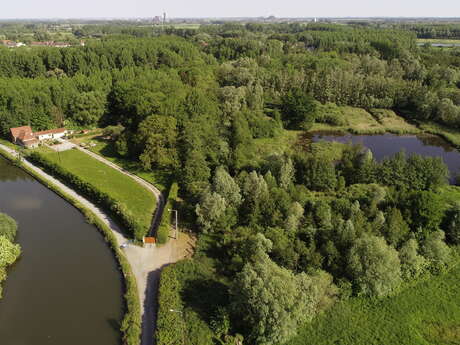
[{"x": 146, "y": 263}]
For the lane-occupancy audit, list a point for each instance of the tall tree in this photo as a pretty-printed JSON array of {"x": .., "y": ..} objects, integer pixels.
[{"x": 374, "y": 266}]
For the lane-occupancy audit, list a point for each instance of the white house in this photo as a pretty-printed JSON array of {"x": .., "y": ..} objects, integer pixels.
[{"x": 51, "y": 134}]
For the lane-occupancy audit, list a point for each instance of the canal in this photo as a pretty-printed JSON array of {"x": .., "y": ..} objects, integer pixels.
[{"x": 66, "y": 287}]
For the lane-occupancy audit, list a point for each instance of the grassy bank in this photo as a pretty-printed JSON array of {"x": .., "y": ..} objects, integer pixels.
[
  {"x": 106, "y": 149},
  {"x": 426, "y": 313},
  {"x": 131, "y": 324},
  {"x": 360, "y": 121},
  {"x": 138, "y": 202},
  {"x": 437, "y": 40},
  {"x": 452, "y": 136}
]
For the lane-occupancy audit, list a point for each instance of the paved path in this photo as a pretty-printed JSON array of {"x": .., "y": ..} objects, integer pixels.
[
  {"x": 149, "y": 186},
  {"x": 146, "y": 263}
]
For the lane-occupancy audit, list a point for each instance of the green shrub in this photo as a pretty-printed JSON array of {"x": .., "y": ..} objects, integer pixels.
[
  {"x": 165, "y": 224},
  {"x": 8, "y": 227},
  {"x": 170, "y": 324},
  {"x": 331, "y": 114}
]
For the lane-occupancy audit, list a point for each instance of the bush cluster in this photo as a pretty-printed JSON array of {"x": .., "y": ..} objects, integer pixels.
[{"x": 168, "y": 322}]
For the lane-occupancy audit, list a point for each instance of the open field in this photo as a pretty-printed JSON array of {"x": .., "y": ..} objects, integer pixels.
[
  {"x": 185, "y": 26},
  {"x": 359, "y": 121},
  {"x": 138, "y": 200},
  {"x": 284, "y": 142},
  {"x": 435, "y": 40},
  {"x": 106, "y": 149},
  {"x": 427, "y": 313}
]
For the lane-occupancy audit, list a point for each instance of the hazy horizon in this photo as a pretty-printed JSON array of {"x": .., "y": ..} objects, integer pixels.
[{"x": 106, "y": 9}]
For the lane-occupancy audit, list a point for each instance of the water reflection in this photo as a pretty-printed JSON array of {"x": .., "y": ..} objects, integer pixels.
[
  {"x": 66, "y": 288},
  {"x": 389, "y": 144}
]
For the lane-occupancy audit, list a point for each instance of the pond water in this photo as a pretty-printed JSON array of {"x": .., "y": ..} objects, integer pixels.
[
  {"x": 440, "y": 44},
  {"x": 66, "y": 287},
  {"x": 388, "y": 144}
]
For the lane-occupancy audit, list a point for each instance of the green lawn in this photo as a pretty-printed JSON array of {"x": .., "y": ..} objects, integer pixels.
[
  {"x": 284, "y": 142},
  {"x": 106, "y": 149},
  {"x": 137, "y": 199},
  {"x": 427, "y": 313},
  {"x": 436, "y": 40}
]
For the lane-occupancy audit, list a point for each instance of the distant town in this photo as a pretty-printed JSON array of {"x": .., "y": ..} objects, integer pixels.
[{"x": 14, "y": 44}]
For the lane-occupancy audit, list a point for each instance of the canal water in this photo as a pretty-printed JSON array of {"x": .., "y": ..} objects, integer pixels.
[
  {"x": 389, "y": 144},
  {"x": 65, "y": 288}
]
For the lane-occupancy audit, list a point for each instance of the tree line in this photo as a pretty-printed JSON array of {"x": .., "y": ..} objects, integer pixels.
[{"x": 196, "y": 105}]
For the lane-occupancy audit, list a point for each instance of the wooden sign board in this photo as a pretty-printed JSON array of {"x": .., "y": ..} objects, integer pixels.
[{"x": 149, "y": 240}]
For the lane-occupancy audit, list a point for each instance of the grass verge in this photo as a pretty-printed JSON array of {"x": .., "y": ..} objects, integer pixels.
[
  {"x": 378, "y": 121},
  {"x": 106, "y": 149},
  {"x": 452, "y": 136},
  {"x": 131, "y": 324},
  {"x": 105, "y": 185}
]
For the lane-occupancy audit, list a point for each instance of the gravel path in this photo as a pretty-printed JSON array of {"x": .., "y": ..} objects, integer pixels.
[{"x": 146, "y": 263}]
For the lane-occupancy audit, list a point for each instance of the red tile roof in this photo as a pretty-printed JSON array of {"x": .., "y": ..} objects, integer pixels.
[
  {"x": 21, "y": 132},
  {"x": 51, "y": 131}
]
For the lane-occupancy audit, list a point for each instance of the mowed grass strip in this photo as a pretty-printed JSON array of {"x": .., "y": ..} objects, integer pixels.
[
  {"x": 137, "y": 199},
  {"x": 159, "y": 178},
  {"x": 427, "y": 313}
]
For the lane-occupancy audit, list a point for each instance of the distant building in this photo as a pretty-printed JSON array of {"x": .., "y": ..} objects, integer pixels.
[
  {"x": 24, "y": 136},
  {"x": 51, "y": 134},
  {"x": 50, "y": 44},
  {"x": 11, "y": 44}
]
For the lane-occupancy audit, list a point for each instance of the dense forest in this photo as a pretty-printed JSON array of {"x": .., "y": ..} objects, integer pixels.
[{"x": 281, "y": 237}]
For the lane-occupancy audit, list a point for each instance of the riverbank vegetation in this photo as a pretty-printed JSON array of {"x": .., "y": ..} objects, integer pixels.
[
  {"x": 9, "y": 251},
  {"x": 130, "y": 202},
  {"x": 286, "y": 228}
]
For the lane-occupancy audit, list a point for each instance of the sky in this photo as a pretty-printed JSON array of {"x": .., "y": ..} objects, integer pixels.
[{"x": 229, "y": 8}]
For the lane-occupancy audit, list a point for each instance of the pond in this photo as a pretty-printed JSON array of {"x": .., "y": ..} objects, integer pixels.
[
  {"x": 388, "y": 144},
  {"x": 440, "y": 44},
  {"x": 66, "y": 287}
]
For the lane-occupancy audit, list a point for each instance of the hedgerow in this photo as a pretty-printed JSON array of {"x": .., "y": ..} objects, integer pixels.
[
  {"x": 165, "y": 224},
  {"x": 102, "y": 199}
]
